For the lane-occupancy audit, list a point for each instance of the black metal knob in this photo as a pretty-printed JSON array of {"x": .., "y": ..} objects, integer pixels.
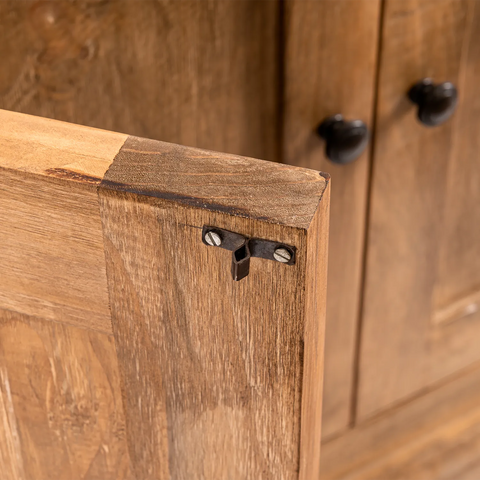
[
  {"x": 345, "y": 141},
  {"x": 436, "y": 103}
]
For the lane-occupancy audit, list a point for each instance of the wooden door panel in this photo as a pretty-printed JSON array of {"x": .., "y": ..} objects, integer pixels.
[
  {"x": 52, "y": 249},
  {"x": 60, "y": 405},
  {"x": 420, "y": 321},
  {"x": 220, "y": 379},
  {"x": 205, "y": 360},
  {"x": 330, "y": 68},
  {"x": 458, "y": 278},
  {"x": 433, "y": 436},
  {"x": 196, "y": 73}
]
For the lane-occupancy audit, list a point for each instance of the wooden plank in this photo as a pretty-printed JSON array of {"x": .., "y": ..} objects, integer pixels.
[
  {"x": 423, "y": 235},
  {"x": 56, "y": 149},
  {"x": 60, "y": 406},
  {"x": 52, "y": 258},
  {"x": 434, "y": 437},
  {"x": 314, "y": 343},
  {"x": 458, "y": 275},
  {"x": 330, "y": 64},
  {"x": 233, "y": 367},
  {"x": 458, "y": 310},
  {"x": 473, "y": 471},
  {"x": 196, "y": 73}
]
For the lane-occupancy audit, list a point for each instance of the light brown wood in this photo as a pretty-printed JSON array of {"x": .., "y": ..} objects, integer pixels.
[
  {"x": 434, "y": 437},
  {"x": 60, "y": 406},
  {"x": 330, "y": 64},
  {"x": 234, "y": 185},
  {"x": 197, "y": 73},
  {"x": 314, "y": 341},
  {"x": 233, "y": 367},
  {"x": 56, "y": 149},
  {"x": 457, "y": 310},
  {"x": 52, "y": 258},
  {"x": 423, "y": 249}
]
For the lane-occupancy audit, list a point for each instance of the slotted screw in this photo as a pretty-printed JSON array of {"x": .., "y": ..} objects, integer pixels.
[
  {"x": 213, "y": 238},
  {"x": 282, "y": 255}
]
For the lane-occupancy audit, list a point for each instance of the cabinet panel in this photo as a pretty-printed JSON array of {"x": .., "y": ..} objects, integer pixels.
[
  {"x": 221, "y": 379},
  {"x": 60, "y": 405},
  {"x": 435, "y": 436},
  {"x": 421, "y": 320},
  {"x": 330, "y": 60},
  {"x": 199, "y": 73}
]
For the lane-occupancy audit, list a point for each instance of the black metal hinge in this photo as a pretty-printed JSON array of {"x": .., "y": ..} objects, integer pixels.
[{"x": 243, "y": 248}]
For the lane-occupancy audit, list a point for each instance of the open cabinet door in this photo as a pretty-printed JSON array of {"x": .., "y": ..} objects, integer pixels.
[{"x": 118, "y": 262}]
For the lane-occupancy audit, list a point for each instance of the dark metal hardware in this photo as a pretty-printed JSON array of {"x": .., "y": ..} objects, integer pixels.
[
  {"x": 244, "y": 248},
  {"x": 436, "y": 103},
  {"x": 345, "y": 140},
  {"x": 241, "y": 262}
]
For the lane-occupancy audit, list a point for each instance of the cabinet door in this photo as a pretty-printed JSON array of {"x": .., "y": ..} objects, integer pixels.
[
  {"x": 330, "y": 68},
  {"x": 421, "y": 319},
  {"x": 109, "y": 281}
]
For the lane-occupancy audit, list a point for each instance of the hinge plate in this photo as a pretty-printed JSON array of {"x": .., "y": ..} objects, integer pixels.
[{"x": 243, "y": 248}]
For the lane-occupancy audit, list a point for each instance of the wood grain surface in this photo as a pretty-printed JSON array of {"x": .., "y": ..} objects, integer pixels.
[
  {"x": 52, "y": 256},
  {"x": 215, "y": 181},
  {"x": 235, "y": 367},
  {"x": 60, "y": 405},
  {"x": 50, "y": 148},
  {"x": 421, "y": 319},
  {"x": 197, "y": 73},
  {"x": 330, "y": 67},
  {"x": 436, "y": 436}
]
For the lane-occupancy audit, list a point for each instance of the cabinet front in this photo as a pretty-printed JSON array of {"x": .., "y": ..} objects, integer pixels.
[{"x": 257, "y": 78}]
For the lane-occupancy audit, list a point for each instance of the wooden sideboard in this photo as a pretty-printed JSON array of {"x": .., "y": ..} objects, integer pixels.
[{"x": 256, "y": 78}]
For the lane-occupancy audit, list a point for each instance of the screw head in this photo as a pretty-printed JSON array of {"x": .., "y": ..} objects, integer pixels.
[
  {"x": 213, "y": 238},
  {"x": 282, "y": 255}
]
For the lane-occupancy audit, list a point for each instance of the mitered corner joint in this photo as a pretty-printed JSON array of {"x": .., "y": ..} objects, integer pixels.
[{"x": 244, "y": 248}]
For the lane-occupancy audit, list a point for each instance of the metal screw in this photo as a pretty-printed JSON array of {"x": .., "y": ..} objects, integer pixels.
[
  {"x": 213, "y": 238},
  {"x": 282, "y": 255}
]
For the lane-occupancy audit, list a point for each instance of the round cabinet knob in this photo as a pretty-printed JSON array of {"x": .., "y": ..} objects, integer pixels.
[
  {"x": 436, "y": 103},
  {"x": 346, "y": 141}
]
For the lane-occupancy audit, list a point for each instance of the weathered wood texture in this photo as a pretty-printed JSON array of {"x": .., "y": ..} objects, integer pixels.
[
  {"x": 221, "y": 379},
  {"x": 421, "y": 318},
  {"x": 49, "y": 148},
  {"x": 433, "y": 437},
  {"x": 330, "y": 60},
  {"x": 52, "y": 255},
  {"x": 200, "y": 73},
  {"x": 60, "y": 405}
]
